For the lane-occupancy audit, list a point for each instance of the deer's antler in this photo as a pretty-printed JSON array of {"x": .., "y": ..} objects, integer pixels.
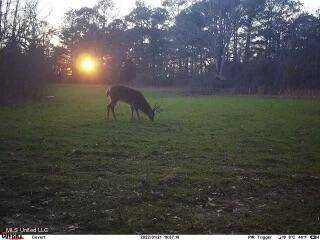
[{"x": 157, "y": 108}]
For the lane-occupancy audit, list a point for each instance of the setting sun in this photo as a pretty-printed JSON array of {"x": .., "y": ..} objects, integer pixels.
[{"x": 87, "y": 64}]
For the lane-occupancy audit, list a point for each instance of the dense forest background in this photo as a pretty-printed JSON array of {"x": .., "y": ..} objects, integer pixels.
[{"x": 242, "y": 46}]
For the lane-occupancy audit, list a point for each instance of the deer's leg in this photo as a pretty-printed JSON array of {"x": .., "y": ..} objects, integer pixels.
[
  {"x": 113, "y": 113},
  {"x": 111, "y": 106},
  {"x": 108, "y": 110},
  {"x": 132, "y": 110},
  {"x": 137, "y": 111}
]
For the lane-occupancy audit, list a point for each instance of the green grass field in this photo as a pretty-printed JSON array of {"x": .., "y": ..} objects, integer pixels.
[{"x": 208, "y": 164}]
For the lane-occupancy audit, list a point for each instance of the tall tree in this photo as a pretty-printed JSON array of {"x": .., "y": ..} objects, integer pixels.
[
  {"x": 149, "y": 25},
  {"x": 252, "y": 11}
]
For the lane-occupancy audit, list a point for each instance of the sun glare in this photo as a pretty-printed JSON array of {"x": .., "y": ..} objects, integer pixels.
[{"x": 87, "y": 64}]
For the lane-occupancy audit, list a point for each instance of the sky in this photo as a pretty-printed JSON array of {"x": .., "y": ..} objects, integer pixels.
[{"x": 53, "y": 10}]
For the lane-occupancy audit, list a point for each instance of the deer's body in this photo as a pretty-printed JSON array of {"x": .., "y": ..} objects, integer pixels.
[{"x": 133, "y": 97}]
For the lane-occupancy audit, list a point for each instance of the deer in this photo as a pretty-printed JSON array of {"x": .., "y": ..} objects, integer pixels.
[{"x": 132, "y": 97}]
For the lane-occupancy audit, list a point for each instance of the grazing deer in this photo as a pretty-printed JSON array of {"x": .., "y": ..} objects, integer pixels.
[{"x": 134, "y": 98}]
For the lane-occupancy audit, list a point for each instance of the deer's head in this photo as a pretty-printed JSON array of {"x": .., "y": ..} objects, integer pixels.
[{"x": 153, "y": 111}]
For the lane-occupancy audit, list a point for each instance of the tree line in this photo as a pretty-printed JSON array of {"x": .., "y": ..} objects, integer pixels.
[
  {"x": 25, "y": 65},
  {"x": 252, "y": 46},
  {"x": 249, "y": 46}
]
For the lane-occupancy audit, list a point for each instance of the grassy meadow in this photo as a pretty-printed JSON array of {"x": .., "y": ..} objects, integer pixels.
[{"x": 208, "y": 164}]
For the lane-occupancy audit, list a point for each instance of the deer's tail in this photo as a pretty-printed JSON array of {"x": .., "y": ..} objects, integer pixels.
[{"x": 108, "y": 92}]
